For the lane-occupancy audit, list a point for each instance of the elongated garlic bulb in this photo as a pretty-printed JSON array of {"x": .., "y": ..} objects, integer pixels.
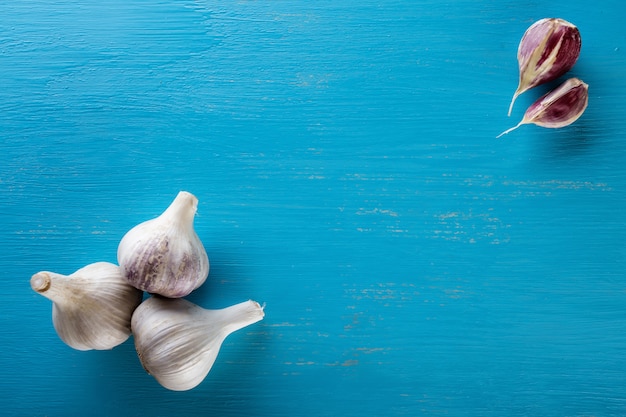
[
  {"x": 92, "y": 307},
  {"x": 178, "y": 341},
  {"x": 558, "y": 108},
  {"x": 164, "y": 255},
  {"x": 549, "y": 48}
]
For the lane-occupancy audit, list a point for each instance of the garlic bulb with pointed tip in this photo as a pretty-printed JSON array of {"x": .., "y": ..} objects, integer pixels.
[
  {"x": 558, "y": 108},
  {"x": 92, "y": 307},
  {"x": 549, "y": 48},
  {"x": 178, "y": 341},
  {"x": 164, "y": 255}
]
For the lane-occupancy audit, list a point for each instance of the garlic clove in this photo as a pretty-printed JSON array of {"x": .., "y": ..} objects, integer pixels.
[
  {"x": 164, "y": 255},
  {"x": 558, "y": 108},
  {"x": 177, "y": 341},
  {"x": 92, "y": 307},
  {"x": 549, "y": 48}
]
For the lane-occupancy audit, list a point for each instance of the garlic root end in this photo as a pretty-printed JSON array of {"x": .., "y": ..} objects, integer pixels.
[{"x": 40, "y": 282}]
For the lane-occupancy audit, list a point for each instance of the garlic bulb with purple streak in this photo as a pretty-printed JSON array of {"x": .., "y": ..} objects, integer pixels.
[
  {"x": 548, "y": 49},
  {"x": 164, "y": 255},
  {"x": 558, "y": 108}
]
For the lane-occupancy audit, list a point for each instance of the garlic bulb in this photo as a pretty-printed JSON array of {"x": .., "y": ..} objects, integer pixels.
[
  {"x": 558, "y": 108},
  {"x": 164, "y": 255},
  {"x": 178, "y": 341},
  {"x": 92, "y": 307}
]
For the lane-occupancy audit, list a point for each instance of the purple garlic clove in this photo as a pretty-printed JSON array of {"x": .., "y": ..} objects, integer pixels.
[
  {"x": 558, "y": 108},
  {"x": 548, "y": 49}
]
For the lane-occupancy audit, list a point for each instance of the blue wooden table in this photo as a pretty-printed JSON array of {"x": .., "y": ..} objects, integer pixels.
[{"x": 345, "y": 160}]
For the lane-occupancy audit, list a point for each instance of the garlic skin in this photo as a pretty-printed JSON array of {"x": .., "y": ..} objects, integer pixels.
[
  {"x": 549, "y": 48},
  {"x": 558, "y": 108},
  {"x": 164, "y": 255},
  {"x": 92, "y": 307},
  {"x": 178, "y": 341}
]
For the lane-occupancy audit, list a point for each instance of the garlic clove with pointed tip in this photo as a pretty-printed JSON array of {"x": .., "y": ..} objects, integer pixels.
[
  {"x": 549, "y": 48},
  {"x": 92, "y": 307},
  {"x": 164, "y": 255},
  {"x": 178, "y": 341},
  {"x": 558, "y": 108}
]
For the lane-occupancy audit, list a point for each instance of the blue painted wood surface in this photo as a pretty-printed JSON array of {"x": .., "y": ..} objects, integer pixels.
[{"x": 345, "y": 160}]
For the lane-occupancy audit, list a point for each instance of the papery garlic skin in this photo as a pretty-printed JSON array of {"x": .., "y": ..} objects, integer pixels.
[
  {"x": 164, "y": 255},
  {"x": 549, "y": 48},
  {"x": 92, "y": 307},
  {"x": 178, "y": 341},
  {"x": 558, "y": 108}
]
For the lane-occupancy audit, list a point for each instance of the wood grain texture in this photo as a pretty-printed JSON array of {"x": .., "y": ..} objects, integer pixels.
[{"x": 345, "y": 160}]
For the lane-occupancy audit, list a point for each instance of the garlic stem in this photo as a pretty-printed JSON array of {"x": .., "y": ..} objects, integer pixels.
[
  {"x": 55, "y": 287},
  {"x": 182, "y": 210},
  {"x": 40, "y": 282},
  {"x": 237, "y": 316}
]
